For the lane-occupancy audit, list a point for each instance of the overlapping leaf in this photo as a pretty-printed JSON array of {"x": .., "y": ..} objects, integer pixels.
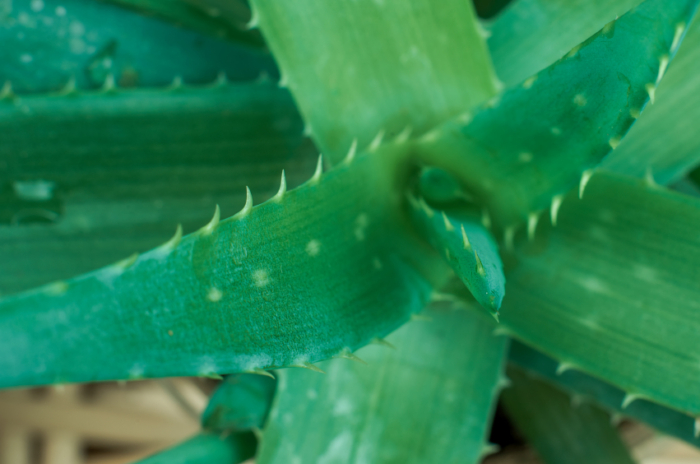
[
  {"x": 510, "y": 156},
  {"x": 429, "y": 400},
  {"x": 561, "y": 432},
  {"x": 356, "y": 68}
]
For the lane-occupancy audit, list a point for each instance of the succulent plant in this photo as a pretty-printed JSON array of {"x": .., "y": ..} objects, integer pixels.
[{"x": 470, "y": 169}]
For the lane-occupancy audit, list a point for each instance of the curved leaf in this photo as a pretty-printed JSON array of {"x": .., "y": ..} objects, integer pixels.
[
  {"x": 237, "y": 295},
  {"x": 241, "y": 402},
  {"x": 509, "y": 155},
  {"x": 208, "y": 449},
  {"x": 612, "y": 290},
  {"x": 561, "y": 432},
  {"x": 430, "y": 399},
  {"x": 584, "y": 386}
]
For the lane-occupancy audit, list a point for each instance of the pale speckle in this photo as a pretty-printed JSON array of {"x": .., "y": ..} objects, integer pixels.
[
  {"x": 34, "y": 190},
  {"x": 338, "y": 450},
  {"x": 525, "y": 157},
  {"x": 136, "y": 371},
  {"x": 555, "y": 131},
  {"x": 26, "y": 58},
  {"x": 361, "y": 223},
  {"x": 580, "y": 100},
  {"x": 645, "y": 273},
  {"x": 313, "y": 248},
  {"x": 529, "y": 81},
  {"x": 261, "y": 278},
  {"x": 60, "y": 11},
  {"x": 377, "y": 263},
  {"x": 214, "y": 295},
  {"x": 37, "y": 5},
  {"x": 311, "y": 394},
  {"x": 593, "y": 284},
  {"x": 342, "y": 407},
  {"x": 56, "y": 288},
  {"x": 76, "y": 28}
]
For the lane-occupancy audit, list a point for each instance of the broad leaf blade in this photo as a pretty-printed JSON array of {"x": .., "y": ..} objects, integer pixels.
[
  {"x": 241, "y": 402},
  {"x": 208, "y": 449},
  {"x": 561, "y": 432},
  {"x": 530, "y": 35},
  {"x": 229, "y": 298},
  {"x": 358, "y": 67},
  {"x": 429, "y": 400},
  {"x": 120, "y": 170},
  {"x": 509, "y": 155},
  {"x": 577, "y": 383},
  {"x": 612, "y": 290},
  {"x": 89, "y": 41}
]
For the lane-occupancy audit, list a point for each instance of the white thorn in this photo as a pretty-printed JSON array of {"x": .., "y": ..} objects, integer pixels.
[
  {"x": 448, "y": 225},
  {"x": 70, "y": 87},
  {"x": 696, "y": 428},
  {"x": 377, "y": 141},
  {"x": 563, "y": 367},
  {"x": 382, "y": 342},
  {"x": 628, "y": 399},
  {"x": 309, "y": 366},
  {"x": 351, "y": 153},
  {"x": 209, "y": 228},
  {"x": 556, "y": 204},
  {"x": 254, "y": 19},
  {"x": 479, "y": 267},
  {"x": 404, "y": 135},
  {"x": 110, "y": 83},
  {"x": 532, "y": 220},
  {"x": 651, "y": 90},
  {"x": 283, "y": 188},
  {"x": 615, "y": 142},
  {"x": 283, "y": 82},
  {"x": 465, "y": 240},
  {"x": 680, "y": 28},
  {"x": 319, "y": 171},
  {"x": 529, "y": 81},
  {"x": 663, "y": 65},
  {"x": 649, "y": 178},
  {"x": 427, "y": 209},
  {"x": 347, "y": 354},
  {"x": 174, "y": 241},
  {"x": 248, "y": 204},
  {"x": 585, "y": 177},
  {"x": 308, "y": 130}
]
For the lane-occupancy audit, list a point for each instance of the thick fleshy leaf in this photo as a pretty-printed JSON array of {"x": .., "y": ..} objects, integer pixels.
[
  {"x": 587, "y": 388},
  {"x": 358, "y": 67},
  {"x": 468, "y": 248},
  {"x": 662, "y": 142},
  {"x": 224, "y": 20},
  {"x": 509, "y": 154},
  {"x": 612, "y": 289},
  {"x": 56, "y": 44},
  {"x": 208, "y": 449},
  {"x": 429, "y": 400},
  {"x": 241, "y": 402},
  {"x": 236, "y": 295},
  {"x": 530, "y": 35},
  {"x": 561, "y": 432},
  {"x": 88, "y": 178}
]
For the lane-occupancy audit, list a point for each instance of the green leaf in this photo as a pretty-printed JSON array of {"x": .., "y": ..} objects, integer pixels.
[
  {"x": 241, "y": 402},
  {"x": 208, "y": 449},
  {"x": 612, "y": 290},
  {"x": 509, "y": 154},
  {"x": 468, "y": 248},
  {"x": 260, "y": 290},
  {"x": 100, "y": 195},
  {"x": 605, "y": 395},
  {"x": 430, "y": 399},
  {"x": 202, "y": 16},
  {"x": 88, "y": 44},
  {"x": 358, "y": 67},
  {"x": 530, "y": 35},
  {"x": 661, "y": 141},
  {"x": 561, "y": 432}
]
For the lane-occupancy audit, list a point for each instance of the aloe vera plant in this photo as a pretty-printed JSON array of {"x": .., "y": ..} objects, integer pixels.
[{"x": 469, "y": 169}]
